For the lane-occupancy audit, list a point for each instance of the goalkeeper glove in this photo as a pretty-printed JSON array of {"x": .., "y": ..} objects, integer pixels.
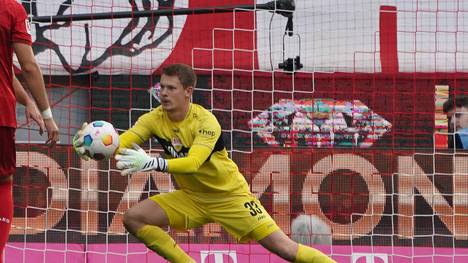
[
  {"x": 137, "y": 160},
  {"x": 78, "y": 141}
]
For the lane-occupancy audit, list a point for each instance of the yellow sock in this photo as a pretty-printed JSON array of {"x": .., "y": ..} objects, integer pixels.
[
  {"x": 307, "y": 254},
  {"x": 160, "y": 242}
]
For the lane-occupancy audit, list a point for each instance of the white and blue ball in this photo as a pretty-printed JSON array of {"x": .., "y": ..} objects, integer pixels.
[{"x": 100, "y": 140}]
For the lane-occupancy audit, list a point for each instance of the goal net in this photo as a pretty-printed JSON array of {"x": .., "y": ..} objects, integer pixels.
[{"x": 332, "y": 111}]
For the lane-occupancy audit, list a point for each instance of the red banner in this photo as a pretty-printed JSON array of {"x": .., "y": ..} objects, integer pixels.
[{"x": 401, "y": 195}]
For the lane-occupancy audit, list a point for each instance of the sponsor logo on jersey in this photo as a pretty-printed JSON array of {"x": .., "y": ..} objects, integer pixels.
[{"x": 207, "y": 133}]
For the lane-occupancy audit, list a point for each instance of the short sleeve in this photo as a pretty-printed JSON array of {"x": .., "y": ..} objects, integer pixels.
[
  {"x": 21, "y": 31},
  {"x": 208, "y": 133}
]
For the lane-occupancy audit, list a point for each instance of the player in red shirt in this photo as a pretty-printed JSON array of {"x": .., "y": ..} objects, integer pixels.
[{"x": 15, "y": 36}]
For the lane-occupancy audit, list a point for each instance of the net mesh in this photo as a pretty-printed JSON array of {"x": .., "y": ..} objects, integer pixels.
[{"x": 355, "y": 139}]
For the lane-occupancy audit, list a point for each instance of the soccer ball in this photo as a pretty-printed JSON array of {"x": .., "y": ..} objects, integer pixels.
[
  {"x": 100, "y": 140},
  {"x": 310, "y": 229}
]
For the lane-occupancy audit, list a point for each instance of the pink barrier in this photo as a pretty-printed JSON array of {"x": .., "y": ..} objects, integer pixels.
[{"x": 221, "y": 253}]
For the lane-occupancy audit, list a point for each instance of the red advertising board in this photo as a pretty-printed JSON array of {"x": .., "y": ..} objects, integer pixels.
[{"x": 401, "y": 195}]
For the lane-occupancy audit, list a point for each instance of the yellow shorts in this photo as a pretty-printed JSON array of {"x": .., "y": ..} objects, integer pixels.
[{"x": 241, "y": 215}]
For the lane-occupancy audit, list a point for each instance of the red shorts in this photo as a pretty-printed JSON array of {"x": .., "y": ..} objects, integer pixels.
[{"x": 7, "y": 151}]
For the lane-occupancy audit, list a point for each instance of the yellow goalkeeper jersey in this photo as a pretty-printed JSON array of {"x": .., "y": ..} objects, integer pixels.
[{"x": 194, "y": 147}]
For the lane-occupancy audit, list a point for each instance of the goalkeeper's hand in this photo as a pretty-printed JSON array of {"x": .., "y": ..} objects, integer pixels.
[
  {"x": 78, "y": 141},
  {"x": 137, "y": 160}
]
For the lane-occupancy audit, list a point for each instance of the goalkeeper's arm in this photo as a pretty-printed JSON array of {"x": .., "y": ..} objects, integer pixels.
[
  {"x": 137, "y": 160},
  {"x": 197, "y": 155},
  {"x": 128, "y": 138}
]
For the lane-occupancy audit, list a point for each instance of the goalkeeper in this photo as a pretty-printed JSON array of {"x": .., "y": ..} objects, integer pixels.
[{"x": 211, "y": 188}]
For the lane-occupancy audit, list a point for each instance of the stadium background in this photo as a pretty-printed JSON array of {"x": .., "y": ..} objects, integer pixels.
[{"x": 399, "y": 188}]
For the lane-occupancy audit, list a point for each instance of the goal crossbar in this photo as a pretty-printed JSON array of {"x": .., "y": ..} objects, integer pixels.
[{"x": 283, "y": 7}]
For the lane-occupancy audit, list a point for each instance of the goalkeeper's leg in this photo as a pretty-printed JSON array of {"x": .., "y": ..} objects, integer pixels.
[
  {"x": 145, "y": 221},
  {"x": 280, "y": 244}
]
